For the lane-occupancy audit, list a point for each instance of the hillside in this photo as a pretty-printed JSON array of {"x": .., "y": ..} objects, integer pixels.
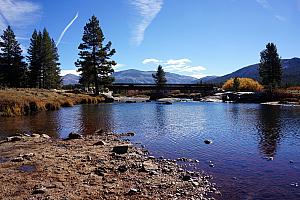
[
  {"x": 291, "y": 73},
  {"x": 137, "y": 76},
  {"x": 134, "y": 76}
]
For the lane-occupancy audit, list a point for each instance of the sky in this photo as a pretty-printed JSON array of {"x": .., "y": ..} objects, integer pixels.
[{"x": 188, "y": 37}]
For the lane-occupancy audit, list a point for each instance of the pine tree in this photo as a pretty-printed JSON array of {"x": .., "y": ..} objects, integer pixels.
[
  {"x": 270, "y": 69},
  {"x": 236, "y": 84},
  {"x": 94, "y": 58},
  {"x": 43, "y": 61},
  {"x": 34, "y": 59},
  {"x": 159, "y": 76},
  {"x": 12, "y": 67}
]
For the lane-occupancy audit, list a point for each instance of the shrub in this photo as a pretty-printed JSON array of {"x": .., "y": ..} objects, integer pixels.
[{"x": 245, "y": 85}]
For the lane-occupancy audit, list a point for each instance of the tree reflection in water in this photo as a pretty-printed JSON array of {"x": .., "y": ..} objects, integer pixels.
[{"x": 269, "y": 129}]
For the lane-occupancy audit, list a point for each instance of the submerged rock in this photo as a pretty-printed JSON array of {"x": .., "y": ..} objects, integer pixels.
[{"x": 208, "y": 141}]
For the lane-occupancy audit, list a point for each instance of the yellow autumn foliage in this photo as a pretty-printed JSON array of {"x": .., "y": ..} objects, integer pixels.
[{"x": 246, "y": 85}]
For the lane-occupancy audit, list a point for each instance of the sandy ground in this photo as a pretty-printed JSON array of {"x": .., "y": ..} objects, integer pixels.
[{"x": 93, "y": 167}]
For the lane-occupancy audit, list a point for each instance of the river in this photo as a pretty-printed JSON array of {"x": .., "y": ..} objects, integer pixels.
[{"x": 255, "y": 149}]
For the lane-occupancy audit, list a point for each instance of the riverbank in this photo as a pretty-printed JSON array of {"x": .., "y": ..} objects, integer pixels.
[
  {"x": 94, "y": 167},
  {"x": 17, "y": 102}
]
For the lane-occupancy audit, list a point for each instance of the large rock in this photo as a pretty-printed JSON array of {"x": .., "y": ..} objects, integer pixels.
[
  {"x": 13, "y": 138},
  {"x": 74, "y": 136},
  {"x": 121, "y": 149}
]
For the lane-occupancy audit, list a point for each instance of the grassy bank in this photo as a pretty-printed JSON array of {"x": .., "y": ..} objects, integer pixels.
[{"x": 16, "y": 102}]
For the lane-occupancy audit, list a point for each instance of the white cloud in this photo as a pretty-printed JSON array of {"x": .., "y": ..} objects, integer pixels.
[
  {"x": 265, "y": 4},
  {"x": 280, "y": 18},
  {"x": 183, "y": 61},
  {"x": 147, "y": 11},
  {"x": 18, "y": 13},
  {"x": 150, "y": 60},
  {"x": 66, "y": 28},
  {"x": 118, "y": 66},
  {"x": 69, "y": 71},
  {"x": 181, "y": 66}
]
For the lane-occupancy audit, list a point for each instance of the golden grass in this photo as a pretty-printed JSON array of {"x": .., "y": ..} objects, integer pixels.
[{"x": 16, "y": 102}]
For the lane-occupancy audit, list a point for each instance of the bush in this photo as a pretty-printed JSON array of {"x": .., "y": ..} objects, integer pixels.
[{"x": 245, "y": 85}]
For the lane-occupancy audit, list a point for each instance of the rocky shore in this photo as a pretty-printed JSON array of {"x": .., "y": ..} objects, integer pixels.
[{"x": 100, "y": 166}]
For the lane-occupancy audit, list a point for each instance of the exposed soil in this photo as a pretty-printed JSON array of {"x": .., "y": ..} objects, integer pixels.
[{"x": 38, "y": 167}]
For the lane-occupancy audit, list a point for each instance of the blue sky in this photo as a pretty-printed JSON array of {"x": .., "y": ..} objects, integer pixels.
[{"x": 190, "y": 37}]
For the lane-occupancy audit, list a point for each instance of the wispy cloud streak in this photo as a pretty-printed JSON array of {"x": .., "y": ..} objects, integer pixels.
[
  {"x": 65, "y": 29},
  {"x": 18, "y": 13},
  {"x": 266, "y": 4},
  {"x": 147, "y": 10}
]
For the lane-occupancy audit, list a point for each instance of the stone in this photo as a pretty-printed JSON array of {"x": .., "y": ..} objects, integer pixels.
[
  {"x": 130, "y": 134},
  {"x": 121, "y": 149},
  {"x": 46, "y": 136},
  {"x": 186, "y": 178},
  {"x": 74, "y": 136},
  {"x": 211, "y": 165},
  {"x": 27, "y": 156},
  {"x": 99, "y": 143},
  {"x": 99, "y": 131},
  {"x": 35, "y": 135},
  {"x": 18, "y": 159},
  {"x": 291, "y": 161},
  {"x": 13, "y": 138},
  {"x": 122, "y": 168},
  {"x": 39, "y": 190},
  {"x": 195, "y": 183},
  {"x": 207, "y": 141},
  {"x": 149, "y": 166},
  {"x": 132, "y": 191},
  {"x": 100, "y": 171}
]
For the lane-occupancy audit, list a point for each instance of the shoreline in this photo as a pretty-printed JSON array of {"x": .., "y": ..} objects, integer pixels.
[{"x": 100, "y": 166}]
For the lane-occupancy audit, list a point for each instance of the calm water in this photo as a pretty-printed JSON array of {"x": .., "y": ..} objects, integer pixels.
[{"x": 243, "y": 135}]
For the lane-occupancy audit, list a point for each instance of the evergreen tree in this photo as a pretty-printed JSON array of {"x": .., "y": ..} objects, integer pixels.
[
  {"x": 12, "y": 67},
  {"x": 94, "y": 58},
  {"x": 236, "y": 84},
  {"x": 34, "y": 59},
  {"x": 159, "y": 76},
  {"x": 270, "y": 69},
  {"x": 43, "y": 61}
]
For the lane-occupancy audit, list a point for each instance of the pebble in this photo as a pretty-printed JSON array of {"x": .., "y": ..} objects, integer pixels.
[
  {"x": 132, "y": 191},
  {"x": 18, "y": 159},
  {"x": 195, "y": 183},
  {"x": 46, "y": 136},
  {"x": 39, "y": 190},
  {"x": 99, "y": 143}
]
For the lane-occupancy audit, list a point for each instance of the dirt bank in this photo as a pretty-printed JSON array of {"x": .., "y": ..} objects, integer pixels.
[{"x": 94, "y": 167}]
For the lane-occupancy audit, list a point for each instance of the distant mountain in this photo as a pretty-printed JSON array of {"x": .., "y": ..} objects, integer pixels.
[
  {"x": 70, "y": 79},
  {"x": 291, "y": 73},
  {"x": 135, "y": 76},
  {"x": 205, "y": 79}
]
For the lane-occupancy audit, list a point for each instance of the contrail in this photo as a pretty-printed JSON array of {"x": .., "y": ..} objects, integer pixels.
[{"x": 66, "y": 28}]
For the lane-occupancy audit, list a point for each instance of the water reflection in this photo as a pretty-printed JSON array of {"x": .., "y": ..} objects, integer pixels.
[{"x": 269, "y": 129}]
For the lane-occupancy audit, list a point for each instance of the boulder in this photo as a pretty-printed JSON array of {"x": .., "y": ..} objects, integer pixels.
[
  {"x": 46, "y": 136},
  {"x": 74, "y": 136},
  {"x": 121, "y": 149}
]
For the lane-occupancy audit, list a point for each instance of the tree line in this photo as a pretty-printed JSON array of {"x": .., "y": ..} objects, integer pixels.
[
  {"x": 42, "y": 67},
  {"x": 94, "y": 63}
]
